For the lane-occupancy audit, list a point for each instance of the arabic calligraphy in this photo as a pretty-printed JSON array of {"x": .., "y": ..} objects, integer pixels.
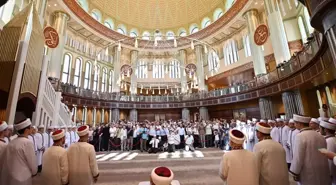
[
  {"x": 51, "y": 37},
  {"x": 261, "y": 35}
]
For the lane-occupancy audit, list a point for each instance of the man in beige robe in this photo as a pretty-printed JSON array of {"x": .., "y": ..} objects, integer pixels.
[
  {"x": 83, "y": 168},
  {"x": 3, "y": 143},
  {"x": 270, "y": 155},
  {"x": 55, "y": 162},
  {"x": 239, "y": 166},
  {"x": 308, "y": 166},
  {"x": 18, "y": 162}
]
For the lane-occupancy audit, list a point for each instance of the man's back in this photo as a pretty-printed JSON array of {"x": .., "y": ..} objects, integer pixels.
[{"x": 271, "y": 155}]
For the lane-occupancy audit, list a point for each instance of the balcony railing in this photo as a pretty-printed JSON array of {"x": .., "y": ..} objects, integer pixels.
[{"x": 294, "y": 64}]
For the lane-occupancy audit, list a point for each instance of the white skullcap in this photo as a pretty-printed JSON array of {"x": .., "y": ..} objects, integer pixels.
[
  {"x": 11, "y": 127},
  {"x": 264, "y": 128},
  {"x": 3, "y": 126},
  {"x": 315, "y": 120},
  {"x": 301, "y": 119},
  {"x": 254, "y": 120},
  {"x": 237, "y": 136},
  {"x": 291, "y": 121},
  {"x": 271, "y": 121},
  {"x": 249, "y": 121},
  {"x": 41, "y": 126},
  {"x": 279, "y": 120},
  {"x": 332, "y": 120},
  {"x": 23, "y": 124},
  {"x": 263, "y": 121},
  {"x": 328, "y": 125},
  {"x": 57, "y": 135}
]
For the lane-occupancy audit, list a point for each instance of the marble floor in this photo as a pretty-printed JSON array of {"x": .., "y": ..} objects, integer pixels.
[{"x": 130, "y": 168}]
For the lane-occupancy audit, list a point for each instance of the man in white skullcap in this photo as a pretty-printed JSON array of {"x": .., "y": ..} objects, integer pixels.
[
  {"x": 275, "y": 133},
  {"x": 55, "y": 162},
  {"x": 284, "y": 131},
  {"x": 9, "y": 134},
  {"x": 308, "y": 166},
  {"x": 83, "y": 168},
  {"x": 3, "y": 130},
  {"x": 327, "y": 129},
  {"x": 40, "y": 145},
  {"x": 315, "y": 124},
  {"x": 50, "y": 130},
  {"x": 291, "y": 139},
  {"x": 238, "y": 166},
  {"x": 18, "y": 163},
  {"x": 270, "y": 155},
  {"x": 32, "y": 138}
]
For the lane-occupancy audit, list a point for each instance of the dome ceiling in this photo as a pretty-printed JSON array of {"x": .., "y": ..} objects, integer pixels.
[{"x": 157, "y": 14}]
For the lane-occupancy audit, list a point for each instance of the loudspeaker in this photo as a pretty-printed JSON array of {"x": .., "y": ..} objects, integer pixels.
[{"x": 2, "y": 2}]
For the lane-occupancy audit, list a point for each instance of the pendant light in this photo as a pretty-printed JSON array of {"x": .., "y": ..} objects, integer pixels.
[
  {"x": 119, "y": 46},
  {"x": 205, "y": 49},
  {"x": 136, "y": 43},
  {"x": 192, "y": 45},
  {"x": 206, "y": 77},
  {"x": 175, "y": 42}
]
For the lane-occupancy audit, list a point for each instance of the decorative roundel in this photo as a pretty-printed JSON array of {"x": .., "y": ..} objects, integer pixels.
[
  {"x": 190, "y": 68},
  {"x": 261, "y": 35},
  {"x": 51, "y": 37},
  {"x": 126, "y": 70}
]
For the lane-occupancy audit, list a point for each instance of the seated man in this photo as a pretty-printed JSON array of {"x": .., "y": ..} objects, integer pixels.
[
  {"x": 155, "y": 145},
  {"x": 189, "y": 141}
]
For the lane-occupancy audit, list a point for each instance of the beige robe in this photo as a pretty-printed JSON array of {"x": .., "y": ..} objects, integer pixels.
[
  {"x": 2, "y": 148},
  {"x": 55, "y": 166},
  {"x": 331, "y": 146},
  {"x": 18, "y": 163},
  {"x": 308, "y": 164},
  {"x": 271, "y": 155},
  {"x": 239, "y": 167},
  {"x": 82, "y": 164}
]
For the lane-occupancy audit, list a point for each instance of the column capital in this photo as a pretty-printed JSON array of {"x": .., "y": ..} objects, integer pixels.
[
  {"x": 59, "y": 13},
  {"x": 251, "y": 12}
]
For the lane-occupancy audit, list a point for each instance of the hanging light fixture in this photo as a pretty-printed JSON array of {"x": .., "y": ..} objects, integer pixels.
[
  {"x": 190, "y": 76},
  {"x": 167, "y": 69},
  {"x": 128, "y": 73},
  {"x": 175, "y": 42},
  {"x": 205, "y": 49},
  {"x": 153, "y": 91},
  {"x": 122, "y": 76},
  {"x": 155, "y": 42},
  {"x": 192, "y": 45},
  {"x": 141, "y": 91},
  {"x": 165, "y": 91},
  {"x": 206, "y": 77},
  {"x": 177, "y": 90},
  {"x": 136, "y": 43},
  {"x": 147, "y": 91},
  {"x": 119, "y": 46}
]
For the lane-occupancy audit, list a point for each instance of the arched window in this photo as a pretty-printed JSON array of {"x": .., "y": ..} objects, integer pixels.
[
  {"x": 96, "y": 15},
  {"x": 217, "y": 14},
  {"x": 193, "y": 28},
  {"x": 307, "y": 20},
  {"x": 230, "y": 52},
  {"x": 96, "y": 78},
  {"x": 228, "y": 4},
  {"x": 247, "y": 46},
  {"x": 174, "y": 69},
  {"x": 134, "y": 33},
  {"x": 66, "y": 68},
  {"x": 83, "y": 4},
  {"x": 146, "y": 35},
  {"x": 158, "y": 35},
  {"x": 170, "y": 35},
  {"x": 182, "y": 32},
  {"x": 122, "y": 29},
  {"x": 158, "y": 69},
  {"x": 77, "y": 75},
  {"x": 141, "y": 70},
  {"x": 206, "y": 22},
  {"x": 104, "y": 79},
  {"x": 213, "y": 61},
  {"x": 110, "y": 80},
  {"x": 87, "y": 75},
  {"x": 302, "y": 30},
  {"x": 109, "y": 23}
]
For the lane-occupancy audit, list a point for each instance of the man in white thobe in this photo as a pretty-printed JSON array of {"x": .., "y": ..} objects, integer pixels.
[
  {"x": 327, "y": 129},
  {"x": 83, "y": 168},
  {"x": 308, "y": 166},
  {"x": 315, "y": 124},
  {"x": 154, "y": 145},
  {"x": 55, "y": 162},
  {"x": 40, "y": 145},
  {"x": 32, "y": 138},
  {"x": 270, "y": 155},
  {"x": 275, "y": 131},
  {"x": 18, "y": 162},
  {"x": 252, "y": 135},
  {"x": 291, "y": 139},
  {"x": 238, "y": 166},
  {"x": 284, "y": 131},
  {"x": 67, "y": 138},
  {"x": 3, "y": 130}
]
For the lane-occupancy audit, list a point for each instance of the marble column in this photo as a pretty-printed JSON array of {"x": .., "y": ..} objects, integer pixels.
[
  {"x": 117, "y": 54},
  {"x": 75, "y": 113},
  {"x": 115, "y": 114},
  {"x": 59, "y": 22},
  {"x": 277, "y": 32},
  {"x": 252, "y": 21},
  {"x": 183, "y": 63},
  {"x": 134, "y": 58},
  {"x": 84, "y": 116},
  {"x": 200, "y": 69},
  {"x": 293, "y": 103},
  {"x": 110, "y": 116},
  {"x": 203, "y": 112},
  {"x": 94, "y": 116},
  {"x": 266, "y": 108},
  {"x": 102, "y": 116},
  {"x": 133, "y": 115},
  {"x": 186, "y": 114}
]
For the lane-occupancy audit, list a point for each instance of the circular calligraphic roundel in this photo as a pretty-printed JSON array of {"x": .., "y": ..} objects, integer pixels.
[
  {"x": 261, "y": 35},
  {"x": 126, "y": 69},
  {"x": 51, "y": 37},
  {"x": 190, "y": 68}
]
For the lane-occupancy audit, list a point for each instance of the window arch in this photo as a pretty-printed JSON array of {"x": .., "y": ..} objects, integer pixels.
[
  {"x": 247, "y": 45},
  {"x": 174, "y": 69},
  {"x": 96, "y": 15},
  {"x": 170, "y": 35},
  {"x": 134, "y": 33},
  {"x": 87, "y": 75},
  {"x": 146, "y": 35},
  {"x": 213, "y": 61},
  {"x": 96, "y": 78},
  {"x": 302, "y": 30},
  {"x": 66, "y": 68},
  {"x": 110, "y": 80},
  {"x": 193, "y": 28},
  {"x": 228, "y": 4},
  {"x": 109, "y": 23},
  {"x": 206, "y": 22},
  {"x": 182, "y": 32},
  {"x": 158, "y": 35},
  {"x": 307, "y": 20},
  {"x": 83, "y": 4},
  {"x": 122, "y": 29},
  {"x": 217, "y": 14},
  {"x": 230, "y": 52},
  {"x": 78, "y": 70},
  {"x": 104, "y": 80}
]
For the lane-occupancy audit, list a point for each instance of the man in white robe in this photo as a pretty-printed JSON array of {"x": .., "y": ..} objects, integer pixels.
[
  {"x": 18, "y": 163},
  {"x": 284, "y": 131},
  {"x": 270, "y": 155},
  {"x": 55, "y": 162},
  {"x": 83, "y": 168},
  {"x": 308, "y": 166},
  {"x": 253, "y": 139},
  {"x": 239, "y": 166},
  {"x": 315, "y": 124},
  {"x": 154, "y": 145},
  {"x": 3, "y": 130},
  {"x": 275, "y": 131},
  {"x": 291, "y": 139},
  {"x": 327, "y": 129},
  {"x": 40, "y": 145},
  {"x": 67, "y": 138},
  {"x": 32, "y": 138}
]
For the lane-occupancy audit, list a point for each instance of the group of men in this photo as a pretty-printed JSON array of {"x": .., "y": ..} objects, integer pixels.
[
  {"x": 66, "y": 156},
  {"x": 294, "y": 147}
]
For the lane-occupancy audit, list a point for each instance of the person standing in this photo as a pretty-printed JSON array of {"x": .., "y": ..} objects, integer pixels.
[
  {"x": 238, "y": 161},
  {"x": 201, "y": 130},
  {"x": 275, "y": 135},
  {"x": 32, "y": 138},
  {"x": 41, "y": 145},
  {"x": 181, "y": 132},
  {"x": 270, "y": 155},
  {"x": 208, "y": 135},
  {"x": 83, "y": 168},
  {"x": 55, "y": 162},
  {"x": 129, "y": 137},
  {"x": 196, "y": 136},
  {"x": 308, "y": 166},
  {"x": 3, "y": 130},
  {"x": 189, "y": 141},
  {"x": 18, "y": 162},
  {"x": 143, "y": 132},
  {"x": 123, "y": 138},
  {"x": 291, "y": 138},
  {"x": 106, "y": 136},
  {"x": 327, "y": 129},
  {"x": 315, "y": 124},
  {"x": 284, "y": 131}
]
